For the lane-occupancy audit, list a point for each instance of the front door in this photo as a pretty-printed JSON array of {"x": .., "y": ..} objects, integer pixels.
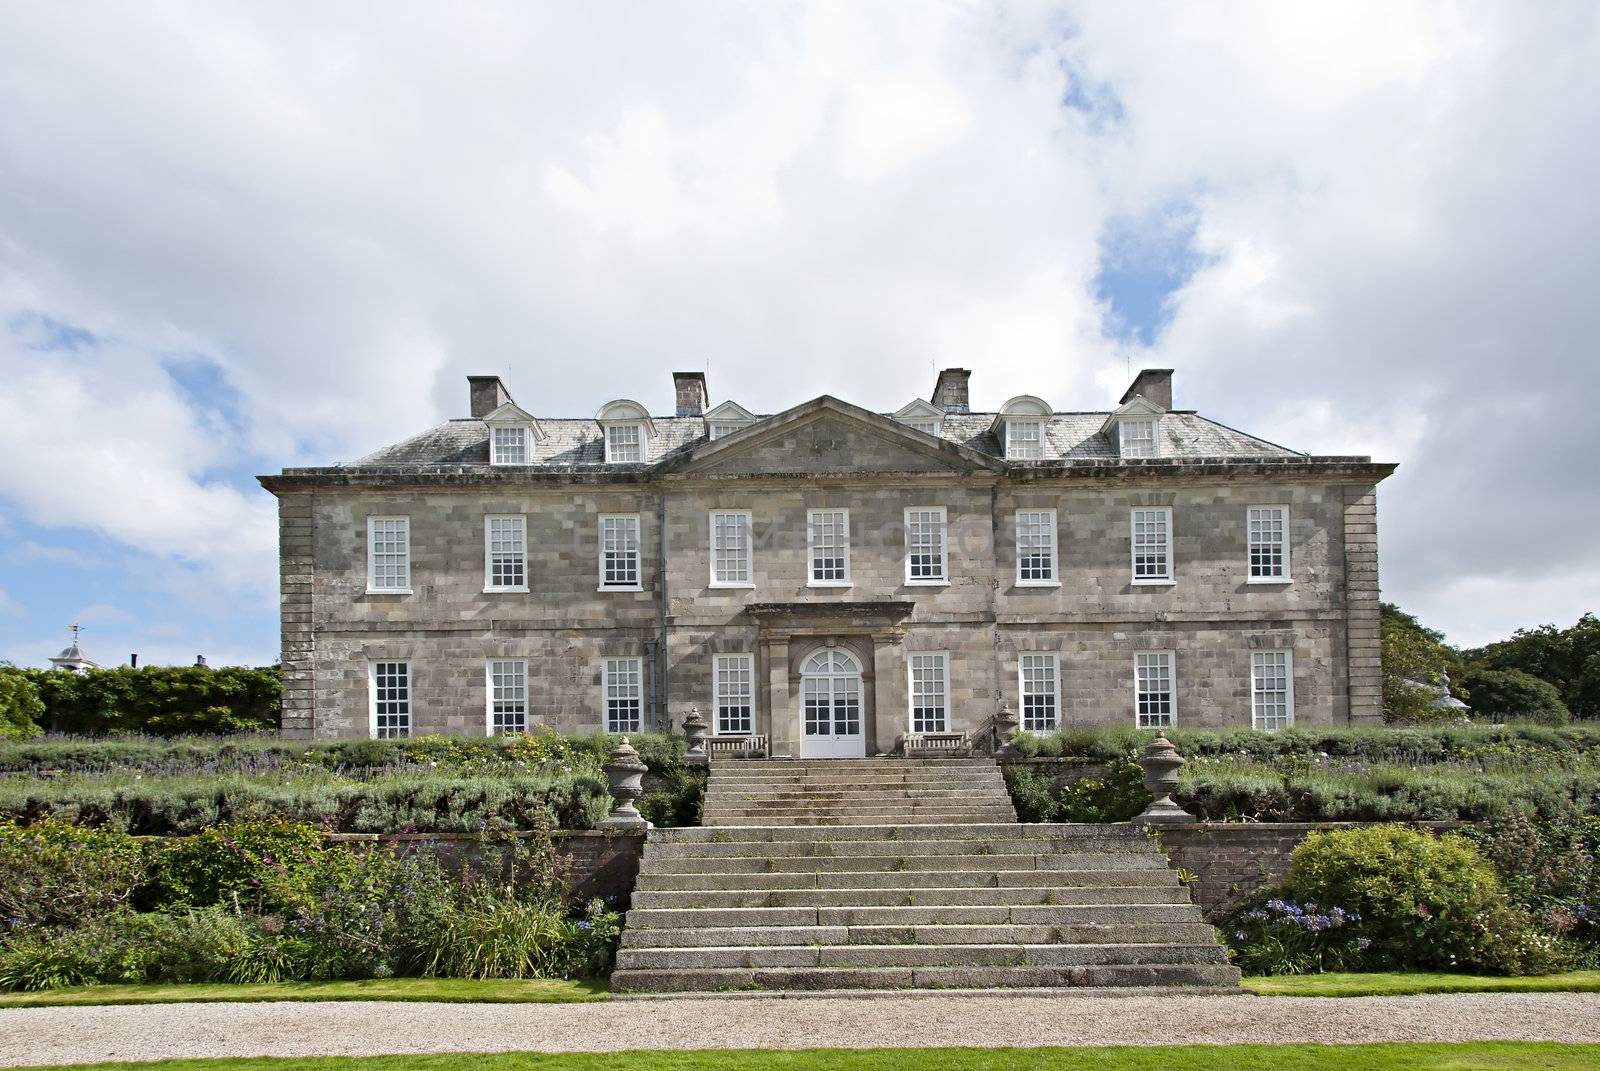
[{"x": 830, "y": 691}]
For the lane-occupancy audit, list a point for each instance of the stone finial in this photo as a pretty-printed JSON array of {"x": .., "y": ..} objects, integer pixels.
[
  {"x": 694, "y": 727},
  {"x": 625, "y": 771},
  {"x": 1161, "y": 763},
  {"x": 1005, "y": 731}
]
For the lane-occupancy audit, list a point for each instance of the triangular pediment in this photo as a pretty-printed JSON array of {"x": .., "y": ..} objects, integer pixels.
[
  {"x": 917, "y": 409},
  {"x": 1136, "y": 408},
  {"x": 510, "y": 413},
  {"x": 729, "y": 412},
  {"x": 826, "y": 435}
]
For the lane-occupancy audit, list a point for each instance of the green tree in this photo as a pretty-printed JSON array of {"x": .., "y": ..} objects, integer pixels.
[
  {"x": 21, "y": 708},
  {"x": 1568, "y": 658},
  {"x": 1415, "y": 660},
  {"x": 160, "y": 700},
  {"x": 1510, "y": 694}
]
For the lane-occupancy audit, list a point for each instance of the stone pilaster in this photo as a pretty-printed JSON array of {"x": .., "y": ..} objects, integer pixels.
[
  {"x": 1362, "y": 636},
  {"x": 295, "y": 576}
]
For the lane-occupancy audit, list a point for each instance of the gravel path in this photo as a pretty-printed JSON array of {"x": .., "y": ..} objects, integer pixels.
[{"x": 361, "y": 1028}]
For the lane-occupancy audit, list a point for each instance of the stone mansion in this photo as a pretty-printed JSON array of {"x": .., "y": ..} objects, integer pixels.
[{"x": 831, "y": 579}]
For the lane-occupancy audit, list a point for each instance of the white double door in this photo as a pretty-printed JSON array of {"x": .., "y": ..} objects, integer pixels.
[{"x": 830, "y": 695}]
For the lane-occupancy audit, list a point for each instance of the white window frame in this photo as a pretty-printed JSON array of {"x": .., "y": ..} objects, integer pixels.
[
  {"x": 928, "y": 425},
  {"x": 1018, "y": 449},
  {"x": 1134, "y": 445},
  {"x": 1250, "y": 545},
  {"x": 612, "y": 450},
  {"x": 1054, "y": 579},
  {"x": 609, "y": 666},
  {"x": 941, "y": 659},
  {"x": 372, "y": 556},
  {"x": 638, "y": 551},
  {"x": 718, "y": 726},
  {"x": 1170, "y": 576},
  {"x": 1171, "y": 662},
  {"x": 1047, "y": 658},
  {"x": 943, "y": 579},
  {"x": 1288, "y": 689},
  {"x": 372, "y": 699},
  {"x": 721, "y": 429},
  {"x": 489, "y": 555},
  {"x": 493, "y": 699},
  {"x": 714, "y": 548},
  {"x": 524, "y": 445},
  {"x": 813, "y": 545}
]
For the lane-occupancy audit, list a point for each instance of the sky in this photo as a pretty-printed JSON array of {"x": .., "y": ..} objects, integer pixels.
[{"x": 240, "y": 237}]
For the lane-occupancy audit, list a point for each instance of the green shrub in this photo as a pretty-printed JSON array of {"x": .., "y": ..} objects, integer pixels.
[
  {"x": 224, "y": 862},
  {"x": 53, "y": 872},
  {"x": 21, "y": 709},
  {"x": 127, "y": 947},
  {"x": 160, "y": 700},
  {"x": 1552, "y": 869},
  {"x": 1424, "y": 902},
  {"x": 1510, "y": 694},
  {"x": 1117, "y": 797}
]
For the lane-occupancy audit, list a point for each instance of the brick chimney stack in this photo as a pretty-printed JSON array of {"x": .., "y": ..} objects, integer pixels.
[
  {"x": 487, "y": 394},
  {"x": 950, "y": 392},
  {"x": 691, "y": 391},
  {"x": 1152, "y": 384}
]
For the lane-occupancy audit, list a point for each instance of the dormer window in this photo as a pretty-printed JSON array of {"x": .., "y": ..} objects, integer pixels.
[
  {"x": 717, "y": 431},
  {"x": 922, "y": 417},
  {"x": 624, "y": 443},
  {"x": 726, "y": 419},
  {"x": 513, "y": 435},
  {"x": 1024, "y": 440},
  {"x": 1138, "y": 438},
  {"x": 625, "y": 429},
  {"x": 1020, "y": 427},
  {"x": 510, "y": 445}
]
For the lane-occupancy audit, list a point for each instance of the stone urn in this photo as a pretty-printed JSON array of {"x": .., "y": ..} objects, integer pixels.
[
  {"x": 625, "y": 771},
  {"x": 1005, "y": 731},
  {"x": 694, "y": 727},
  {"x": 1161, "y": 763}
]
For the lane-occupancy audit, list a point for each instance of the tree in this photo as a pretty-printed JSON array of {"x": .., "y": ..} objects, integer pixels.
[
  {"x": 1510, "y": 694},
  {"x": 1415, "y": 660},
  {"x": 21, "y": 709},
  {"x": 1566, "y": 658}
]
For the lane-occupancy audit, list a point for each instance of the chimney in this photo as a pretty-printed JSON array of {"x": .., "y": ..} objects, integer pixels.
[
  {"x": 1152, "y": 384},
  {"x": 487, "y": 394},
  {"x": 200, "y": 661},
  {"x": 133, "y": 660},
  {"x": 950, "y": 392},
  {"x": 691, "y": 390}
]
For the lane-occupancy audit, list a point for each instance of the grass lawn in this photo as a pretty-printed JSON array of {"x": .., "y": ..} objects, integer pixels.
[
  {"x": 1493, "y": 1056},
  {"x": 454, "y": 990},
  {"x": 1398, "y": 985}
]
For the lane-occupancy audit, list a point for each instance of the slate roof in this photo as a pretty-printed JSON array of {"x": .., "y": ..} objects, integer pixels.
[{"x": 1068, "y": 437}]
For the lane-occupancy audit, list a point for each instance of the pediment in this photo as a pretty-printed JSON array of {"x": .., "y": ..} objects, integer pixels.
[
  {"x": 1136, "y": 408},
  {"x": 510, "y": 413},
  {"x": 917, "y": 409},
  {"x": 830, "y": 436},
  {"x": 729, "y": 412}
]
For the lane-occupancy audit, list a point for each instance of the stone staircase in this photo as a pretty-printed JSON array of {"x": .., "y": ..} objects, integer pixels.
[{"x": 902, "y": 874}]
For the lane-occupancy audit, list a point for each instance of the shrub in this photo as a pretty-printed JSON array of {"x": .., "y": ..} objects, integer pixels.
[
  {"x": 21, "y": 709},
  {"x": 1507, "y": 694},
  {"x": 128, "y": 947},
  {"x": 224, "y": 862},
  {"x": 53, "y": 872},
  {"x": 1423, "y": 902},
  {"x": 1276, "y": 936},
  {"x": 161, "y": 700},
  {"x": 1551, "y": 869}
]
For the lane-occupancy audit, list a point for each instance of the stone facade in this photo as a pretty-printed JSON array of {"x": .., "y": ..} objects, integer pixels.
[{"x": 825, "y": 454}]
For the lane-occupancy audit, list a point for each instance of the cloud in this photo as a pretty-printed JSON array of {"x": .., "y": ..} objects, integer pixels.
[{"x": 291, "y": 244}]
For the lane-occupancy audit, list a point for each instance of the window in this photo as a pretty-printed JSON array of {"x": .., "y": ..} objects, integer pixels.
[
  {"x": 1138, "y": 438},
  {"x": 734, "y": 694},
  {"x": 1271, "y": 689},
  {"x": 505, "y": 553},
  {"x": 1024, "y": 440},
  {"x": 622, "y": 688},
  {"x": 718, "y": 431},
  {"x": 1152, "y": 546},
  {"x": 510, "y": 446},
  {"x": 619, "y": 552},
  {"x": 1041, "y": 691},
  {"x": 1269, "y": 543},
  {"x": 925, "y": 546},
  {"x": 730, "y": 549},
  {"x": 930, "y": 690},
  {"x": 508, "y": 696},
  {"x": 389, "y": 684},
  {"x": 1036, "y": 548},
  {"x": 624, "y": 443},
  {"x": 389, "y": 555},
  {"x": 828, "y": 539},
  {"x": 931, "y": 427},
  {"x": 1153, "y": 702}
]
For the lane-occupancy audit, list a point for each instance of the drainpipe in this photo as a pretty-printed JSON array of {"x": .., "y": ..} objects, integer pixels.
[{"x": 650, "y": 676}]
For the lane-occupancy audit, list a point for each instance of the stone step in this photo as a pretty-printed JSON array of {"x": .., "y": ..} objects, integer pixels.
[
  {"x": 891, "y": 848},
  {"x": 875, "y": 762},
  {"x": 998, "y": 955},
  {"x": 908, "y": 879},
  {"x": 1073, "y": 861},
  {"x": 958, "y": 934},
  {"x": 1009, "y": 896},
  {"x": 824, "y": 978},
  {"x": 875, "y": 812},
  {"x": 891, "y": 831},
  {"x": 842, "y": 793},
  {"x": 846, "y": 820},
  {"x": 816, "y": 786},
  {"x": 1040, "y": 915},
  {"x": 984, "y": 775}
]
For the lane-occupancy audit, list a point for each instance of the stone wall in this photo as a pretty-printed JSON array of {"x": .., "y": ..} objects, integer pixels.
[{"x": 1232, "y": 859}]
